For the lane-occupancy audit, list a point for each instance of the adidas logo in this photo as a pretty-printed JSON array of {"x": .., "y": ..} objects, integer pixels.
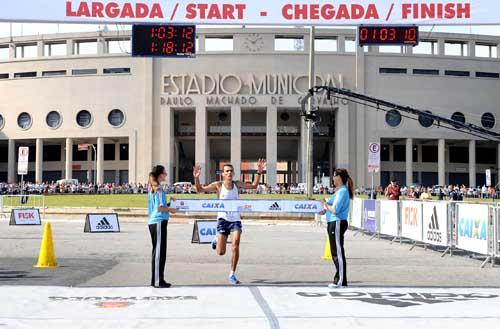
[
  {"x": 104, "y": 225},
  {"x": 434, "y": 234},
  {"x": 275, "y": 207}
]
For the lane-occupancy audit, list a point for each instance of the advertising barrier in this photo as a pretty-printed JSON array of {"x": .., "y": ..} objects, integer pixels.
[
  {"x": 389, "y": 217},
  {"x": 277, "y": 12},
  {"x": 411, "y": 220},
  {"x": 473, "y": 227},
  {"x": 357, "y": 213},
  {"x": 248, "y": 206},
  {"x": 370, "y": 216},
  {"x": 435, "y": 223},
  {"x": 205, "y": 231},
  {"x": 101, "y": 223},
  {"x": 25, "y": 216}
]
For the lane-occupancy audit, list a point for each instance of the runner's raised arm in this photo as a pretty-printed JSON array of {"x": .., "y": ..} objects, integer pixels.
[
  {"x": 261, "y": 166},
  {"x": 210, "y": 188}
]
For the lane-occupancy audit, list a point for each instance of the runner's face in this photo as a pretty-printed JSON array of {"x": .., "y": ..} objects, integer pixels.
[{"x": 228, "y": 173}]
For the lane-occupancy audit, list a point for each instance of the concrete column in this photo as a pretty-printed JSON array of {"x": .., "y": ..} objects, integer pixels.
[
  {"x": 408, "y": 50},
  {"x": 167, "y": 152},
  {"x": 341, "y": 44},
  {"x": 272, "y": 145},
  {"x": 70, "y": 47},
  {"x": 361, "y": 171},
  {"x": 39, "y": 161},
  {"x": 69, "y": 159},
  {"x": 201, "y": 141},
  {"x": 40, "y": 48},
  {"x": 498, "y": 50},
  {"x": 236, "y": 141},
  {"x": 132, "y": 158},
  {"x": 441, "y": 162},
  {"x": 90, "y": 164},
  {"x": 440, "y": 50},
  {"x": 100, "y": 161},
  {"x": 12, "y": 51},
  {"x": 331, "y": 157},
  {"x": 301, "y": 161},
  {"x": 471, "y": 48},
  {"x": 11, "y": 165},
  {"x": 472, "y": 163},
  {"x": 101, "y": 46},
  {"x": 201, "y": 43},
  {"x": 498, "y": 164},
  {"x": 342, "y": 139},
  {"x": 409, "y": 161}
]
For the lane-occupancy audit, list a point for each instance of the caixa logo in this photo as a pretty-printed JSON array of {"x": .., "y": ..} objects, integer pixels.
[
  {"x": 306, "y": 206},
  {"x": 212, "y": 205},
  {"x": 208, "y": 231}
]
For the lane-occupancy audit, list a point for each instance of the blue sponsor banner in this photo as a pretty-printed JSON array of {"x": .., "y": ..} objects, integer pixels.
[
  {"x": 369, "y": 216},
  {"x": 248, "y": 206}
]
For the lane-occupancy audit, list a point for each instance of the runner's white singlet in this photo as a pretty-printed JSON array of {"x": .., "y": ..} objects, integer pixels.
[{"x": 232, "y": 194}]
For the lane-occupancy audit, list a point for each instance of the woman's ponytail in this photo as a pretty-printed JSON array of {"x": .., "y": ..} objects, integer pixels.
[
  {"x": 350, "y": 187},
  {"x": 153, "y": 177},
  {"x": 346, "y": 180}
]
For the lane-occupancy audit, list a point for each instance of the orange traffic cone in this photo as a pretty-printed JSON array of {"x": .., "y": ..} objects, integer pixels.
[
  {"x": 327, "y": 254},
  {"x": 47, "y": 256}
]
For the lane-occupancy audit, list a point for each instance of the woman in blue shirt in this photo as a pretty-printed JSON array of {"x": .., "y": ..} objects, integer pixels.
[
  {"x": 337, "y": 213},
  {"x": 158, "y": 210}
]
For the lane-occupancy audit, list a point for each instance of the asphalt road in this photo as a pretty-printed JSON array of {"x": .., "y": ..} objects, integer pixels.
[{"x": 283, "y": 255}]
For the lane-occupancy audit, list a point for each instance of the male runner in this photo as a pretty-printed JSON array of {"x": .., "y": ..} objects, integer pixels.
[{"x": 228, "y": 222}]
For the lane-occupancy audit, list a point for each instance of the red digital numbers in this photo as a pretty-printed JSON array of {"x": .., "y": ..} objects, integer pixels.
[{"x": 390, "y": 35}]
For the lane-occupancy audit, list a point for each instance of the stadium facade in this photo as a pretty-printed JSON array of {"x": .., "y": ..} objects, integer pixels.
[{"x": 238, "y": 101}]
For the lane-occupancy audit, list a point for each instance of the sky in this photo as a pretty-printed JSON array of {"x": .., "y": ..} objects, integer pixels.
[{"x": 37, "y": 28}]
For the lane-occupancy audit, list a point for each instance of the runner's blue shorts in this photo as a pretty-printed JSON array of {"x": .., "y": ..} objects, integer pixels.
[{"x": 225, "y": 227}]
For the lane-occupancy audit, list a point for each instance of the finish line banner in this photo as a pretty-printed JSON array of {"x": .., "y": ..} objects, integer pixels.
[
  {"x": 276, "y": 12},
  {"x": 248, "y": 206}
]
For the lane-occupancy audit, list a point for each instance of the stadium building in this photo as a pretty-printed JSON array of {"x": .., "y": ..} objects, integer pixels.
[{"x": 239, "y": 100}]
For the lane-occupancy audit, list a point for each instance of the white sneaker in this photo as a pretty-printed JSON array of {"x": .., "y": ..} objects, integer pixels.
[{"x": 335, "y": 286}]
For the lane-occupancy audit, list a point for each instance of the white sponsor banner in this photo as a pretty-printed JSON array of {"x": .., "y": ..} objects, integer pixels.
[
  {"x": 204, "y": 231},
  {"x": 357, "y": 213},
  {"x": 101, "y": 223},
  {"x": 248, "y": 206},
  {"x": 435, "y": 223},
  {"x": 277, "y": 12},
  {"x": 25, "y": 217},
  {"x": 473, "y": 228},
  {"x": 411, "y": 220},
  {"x": 389, "y": 217},
  {"x": 22, "y": 160}
]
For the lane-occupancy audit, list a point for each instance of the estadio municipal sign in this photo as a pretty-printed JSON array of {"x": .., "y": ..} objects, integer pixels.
[{"x": 277, "y": 12}]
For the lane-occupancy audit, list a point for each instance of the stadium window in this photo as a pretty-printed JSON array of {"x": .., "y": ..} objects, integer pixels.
[
  {"x": 116, "y": 118},
  {"x": 2, "y": 122},
  {"x": 53, "y": 73},
  {"x": 123, "y": 152},
  {"x": 425, "y": 72},
  {"x": 459, "y": 154},
  {"x": 399, "y": 153},
  {"x": 486, "y": 155},
  {"x": 392, "y": 70},
  {"x": 219, "y": 43},
  {"x": 454, "y": 73},
  {"x": 385, "y": 153},
  {"x": 55, "y": 49},
  {"x": 288, "y": 43},
  {"x": 85, "y": 47},
  {"x": 4, "y": 53},
  {"x": 52, "y": 153},
  {"x": 80, "y": 155},
  {"x": 26, "y": 51},
  {"x": 84, "y": 71},
  {"x": 350, "y": 45},
  {"x": 109, "y": 152},
  {"x": 458, "y": 117},
  {"x": 424, "y": 120},
  {"x": 117, "y": 70},
  {"x": 429, "y": 153},
  {"x": 490, "y": 75},
  {"x": 4, "y": 75},
  {"x": 4, "y": 153},
  {"x": 486, "y": 50},
  {"x": 53, "y": 119},
  {"x": 24, "y": 120},
  {"x": 425, "y": 48},
  {"x": 84, "y": 118},
  {"x": 25, "y": 75},
  {"x": 390, "y": 49},
  {"x": 488, "y": 120},
  {"x": 393, "y": 118},
  {"x": 325, "y": 44},
  {"x": 455, "y": 48},
  {"x": 122, "y": 46}
]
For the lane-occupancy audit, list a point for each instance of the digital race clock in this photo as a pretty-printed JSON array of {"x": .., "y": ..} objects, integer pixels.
[
  {"x": 388, "y": 35},
  {"x": 164, "y": 40}
]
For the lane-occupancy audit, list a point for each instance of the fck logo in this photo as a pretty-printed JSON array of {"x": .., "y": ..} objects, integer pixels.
[{"x": 26, "y": 215}]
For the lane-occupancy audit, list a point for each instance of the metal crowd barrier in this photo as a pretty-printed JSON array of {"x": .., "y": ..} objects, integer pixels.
[
  {"x": 471, "y": 227},
  {"x": 9, "y": 202}
]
